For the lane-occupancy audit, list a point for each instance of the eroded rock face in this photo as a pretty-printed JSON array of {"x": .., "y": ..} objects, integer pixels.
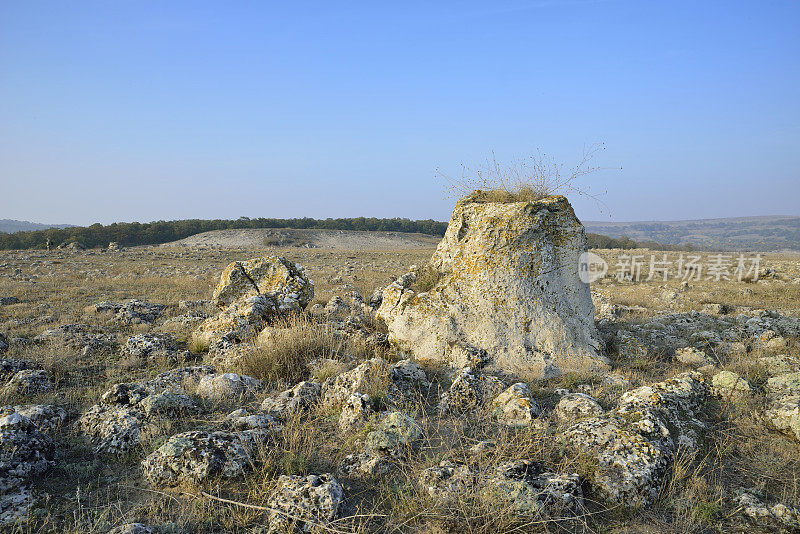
[
  {"x": 508, "y": 285},
  {"x": 303, "y": 502},
  {"x": 635, "y": 444},
  {"x": 283, "y": 281}
]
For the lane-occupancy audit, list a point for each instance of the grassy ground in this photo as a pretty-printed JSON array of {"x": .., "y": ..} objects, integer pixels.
[{"x": 88, "y": 493}]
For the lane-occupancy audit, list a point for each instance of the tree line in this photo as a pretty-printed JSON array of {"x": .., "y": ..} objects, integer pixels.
[{"x": 158, "y": 232}]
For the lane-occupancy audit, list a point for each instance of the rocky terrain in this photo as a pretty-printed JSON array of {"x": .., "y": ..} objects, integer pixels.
[{"x": 477, "y": 387}]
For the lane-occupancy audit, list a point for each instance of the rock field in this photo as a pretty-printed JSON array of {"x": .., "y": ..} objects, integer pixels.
[{"x": 286, "y": 389}]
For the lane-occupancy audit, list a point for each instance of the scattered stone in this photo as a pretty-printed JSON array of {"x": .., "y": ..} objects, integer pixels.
[
  {"x": 76, "y": 336},
  {"x": 530, "y": 491},
  {"x": 730, "y": 384},
  {"x": 25, "y": 453},
  {"x": 131, "y": 312},
  {"x": 303, "y": 503},
  {"x": 373, "y": 378},
  {"x": 356, "y": 411},
  {"x": 155, "y": 347},
  {"x": 227, "y": 386},
  {"x": 284, "y": 283},
  {"x": 693, "y": 357},
  {"x": 396, "y": 434},
  {"x": 576, "y": 406},
  {"x": 515, "y": 406},
  {"x": 470, "y": 391},
  {"x": 194, "y": 457},
  {"x": 46, "y": 417},
  {"x": 409, "y": 375},
  {"x": 635, "y": 444},
  {"x": 28, "y": 382},
  {"x": 166, "y": 402},
  {"x": 114, "y": 429},
  {"x": 9, "y": 366},
  {"x": 134, "y": 528},
  {"x": 448, "y": 481},
  {"x": 242, "y": 419},
  {"x": 504, "y": 279},
  {"x": 778, "y": 517},
  {"x": 297, "y": 399}
]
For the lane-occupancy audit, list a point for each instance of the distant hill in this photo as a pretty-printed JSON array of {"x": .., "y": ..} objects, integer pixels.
[
  {"x": 768, "y": 233},
  {"x": 10, "y": 226}
]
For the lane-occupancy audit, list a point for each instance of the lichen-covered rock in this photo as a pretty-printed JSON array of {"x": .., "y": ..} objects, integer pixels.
[
  {"x": 775, "y": 518},
  {"x": 125, "y": 394},
  {"x": 195, "y": 457},
  {"x": 166, "y": 402},
  {"x": 356, "y": 411},
  {"x": 227, "y": 386},
  {"x": 576, "y": 406},
  {"x": 131, "y": 312},
  {"x": 693, "y": 357},
  {"x": 134, "y": 528},
  {"x": 114, "y": 429},
  {"x": 506, "y": 282},
  {"x": 46, "y": 417},
  {"x": 25, "y": 451},
  {"x": 409, "y": 375},
  {"x": 780, "y": 364},
  {"x": 28, "y": 382},
  {"x": 785, "y": 384},
  {"x": 470, "y": 390},
  {"x": 783, "y": 414},
  {"x": 635, "y": 444},
  {"x": 239, "y": 322},
  {"x": 297, "y": 399},
  {"x": 396, "y": 434},
  {"x": 448, "y": 481},
  {"x": 521, "y": 485},
  {"x": 729, "y": 384},
  {"x": 154, "y": 346},
  {"x": 9, "y": 367},
  {"x": 515, "y": 406},
  {"x": 372, "y": 377},
  {"x": 531, "y": 491},
  {"x": 77, "y": 336},
  {"x": 302, "y": 503},
  {"x": 284, "y": 282},
  {"x": 242, "y": 419}
]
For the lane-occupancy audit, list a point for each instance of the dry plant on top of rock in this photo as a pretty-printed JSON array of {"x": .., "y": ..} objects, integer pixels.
[{"x": 524, "y": 180}]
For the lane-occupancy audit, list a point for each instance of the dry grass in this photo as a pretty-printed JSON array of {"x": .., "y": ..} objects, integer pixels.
[{"x": 91, "y": 494}]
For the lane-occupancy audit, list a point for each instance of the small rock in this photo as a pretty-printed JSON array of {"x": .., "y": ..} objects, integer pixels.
[
  {"x": 515, "y": 406},
  {"x": 227, "y": 386},
  {"x": 728, "y": 383},
  {"x": 576, "y": 406},
  {"x": 693, "y": 357},
  {"x": 297, "y": 399},
  {"x": 302, "y": 503}
]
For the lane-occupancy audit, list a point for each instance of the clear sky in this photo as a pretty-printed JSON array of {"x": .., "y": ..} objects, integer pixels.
[{"x": 133, "y": 110}]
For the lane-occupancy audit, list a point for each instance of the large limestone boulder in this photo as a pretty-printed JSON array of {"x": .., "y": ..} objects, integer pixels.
[
  {"x": 503, "y": 282},
  {"x": 273, "y": 276}
]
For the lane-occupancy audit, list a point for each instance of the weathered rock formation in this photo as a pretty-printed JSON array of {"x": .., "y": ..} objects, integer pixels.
[{"x": 504, "y": 292}]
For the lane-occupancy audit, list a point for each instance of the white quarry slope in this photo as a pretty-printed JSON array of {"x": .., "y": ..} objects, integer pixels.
[{"x": 328, "y": 239}]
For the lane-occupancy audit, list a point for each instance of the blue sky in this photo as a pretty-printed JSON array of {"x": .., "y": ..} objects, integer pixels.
[{"x": 132, "y": 110}]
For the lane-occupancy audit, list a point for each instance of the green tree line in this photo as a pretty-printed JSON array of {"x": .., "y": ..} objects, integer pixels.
[{"x": 154, "y": 233}]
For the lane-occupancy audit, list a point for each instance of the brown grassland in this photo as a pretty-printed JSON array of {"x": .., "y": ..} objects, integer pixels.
[{"x": 86, "y": 492}]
